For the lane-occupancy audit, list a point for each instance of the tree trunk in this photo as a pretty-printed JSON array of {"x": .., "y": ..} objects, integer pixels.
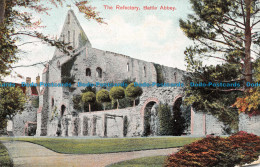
[
  {"x": 117, "y": 103},
  {"x": 134, "y": 102},
  {"x": 2, "y": 11},
  {"x": 89, "y": 107},
  {"x": 248, "y": 40}
]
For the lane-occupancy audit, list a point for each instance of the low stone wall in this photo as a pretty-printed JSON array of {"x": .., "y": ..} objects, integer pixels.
[
  {"x": 249, "y": 124},
  {"x": 204, "y": 124},
  {"x": 110, "y": 123}
]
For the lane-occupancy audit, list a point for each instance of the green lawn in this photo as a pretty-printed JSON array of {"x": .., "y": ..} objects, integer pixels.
[
  {"x": 5, "y": 160},
  {"x": 109, "y": 145},
  {"x": 156, "y": 161}
]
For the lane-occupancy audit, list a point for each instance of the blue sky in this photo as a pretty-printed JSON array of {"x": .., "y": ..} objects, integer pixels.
[{"x": 152, "y": 36}]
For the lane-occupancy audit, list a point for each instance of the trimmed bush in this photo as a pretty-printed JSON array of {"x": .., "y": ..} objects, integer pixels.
[
  {"x": 237, "y": 149},
  {"x": 88, "y": 97},
  {"x": 117, "y": 93},
  {"x": 133, "y": 92},
  {"x": 103, "y": 97}
]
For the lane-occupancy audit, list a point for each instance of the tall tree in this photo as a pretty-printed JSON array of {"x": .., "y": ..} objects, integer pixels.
[
  {"x": 14, "y": 24},
  {"x": 12, "y": 101},
  {"x": 224, "y": 30}
]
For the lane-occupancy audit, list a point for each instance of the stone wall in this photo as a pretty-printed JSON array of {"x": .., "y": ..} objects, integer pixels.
[
  {"x": 205, "y": 124},
  {"x": 20, "y": 120},
  {"x": 249, "y": 124},
  {"x": 111, "y": 123}
]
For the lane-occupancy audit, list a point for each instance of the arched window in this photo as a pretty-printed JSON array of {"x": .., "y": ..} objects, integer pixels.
[
  {"x": 99, "y": 72},
  {"x": 144, "y": 71},
  {"x": 88, "y": 72},
  {"x": 63, "y": 108},
  {"x": 68, "y": 18},
  {"x": 175, "y": 77},
  {"x": 52, "y": 102},
  {"x": 127, "y": 67}
]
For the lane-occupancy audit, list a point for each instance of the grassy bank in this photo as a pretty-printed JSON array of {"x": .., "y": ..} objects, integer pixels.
[
  {"x": 156, "y": 161},
  {"x": 5, "y": 159},
  {"x": 109, "y": 145}
]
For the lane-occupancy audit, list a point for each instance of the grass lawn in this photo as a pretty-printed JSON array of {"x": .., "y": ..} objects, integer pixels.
[
  {"x": 5, "y": 160},
  {"x": 156, "y": 161},
  {"x": 109, "y": 145}
]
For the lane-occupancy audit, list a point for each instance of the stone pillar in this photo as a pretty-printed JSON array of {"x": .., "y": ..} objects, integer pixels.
[{"x": 105, "y": 125}]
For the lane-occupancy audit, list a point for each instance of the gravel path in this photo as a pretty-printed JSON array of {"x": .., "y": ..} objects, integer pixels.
[{"x": 26, "y": 154}]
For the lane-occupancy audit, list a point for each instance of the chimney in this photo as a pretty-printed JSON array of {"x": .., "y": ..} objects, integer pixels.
[
  {"x": 28, "y": 80},
  {"x": 28, "y": 89}
]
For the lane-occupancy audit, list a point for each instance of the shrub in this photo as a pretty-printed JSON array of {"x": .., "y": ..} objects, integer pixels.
[
  {"x": 103, "y": 97},
  {"x": 249, "y": 143},
  {"x": 117, "y": 93},
  {"x": 210, "y": 151},
  {"x": 133, "y": 92},
  {"x": 88, "y": 97},
  {"x": 165, "y": 119},
  {"x": 237, "y": 149}
]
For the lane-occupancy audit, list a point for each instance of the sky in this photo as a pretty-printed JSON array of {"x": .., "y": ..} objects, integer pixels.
[{"x": 150, "y": 35}]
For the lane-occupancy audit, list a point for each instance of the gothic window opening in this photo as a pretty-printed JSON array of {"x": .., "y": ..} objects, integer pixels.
[
  {"x": 127, "y": 67},
  {"x": 99, "y": 72},
  {"x": 52, "y": 102},
  {"x": 63, "y": 108},
  {"x": 68, "y": 18},
  {"x": 144, "y": 72},
  {"x": 88, "y": 72},
  {"x": 68, "y": 36},
  {"x": 175, "y": 77}
]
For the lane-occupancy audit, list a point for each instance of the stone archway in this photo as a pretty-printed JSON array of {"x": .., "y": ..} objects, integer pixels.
[
  {"x": 146, "y": 115},
  {"x": 179, "y": 116}
]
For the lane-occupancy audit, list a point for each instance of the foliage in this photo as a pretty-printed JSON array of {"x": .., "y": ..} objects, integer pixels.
[
  {"x": 165, "y": 119},
  {"x": 103, "y": 97},
  {"x": 250, "y": 102},
  {"x": 5, "y": 159},
  {"x": 35, "y": 102},
  {"x": 225, "y": 31},
  {"x": 66, "y": 67},
  {"x": 54, "y": 113},
  {"x": 216, "y": 151},
  {"x": 159, "y": 73},
  {"x": 147, "y": 120},
  {"x": 89, "y": 98},
  {"x": 133, "y": 91},
  {"x": 117, "y": 93},
  {"x": 126, "y": 126},
  {"x": 15, "y": 24},
  {"x": 12, "y": 101},
  {"x": 249, "y": 145},
  {"x": 77, "y": 105}
]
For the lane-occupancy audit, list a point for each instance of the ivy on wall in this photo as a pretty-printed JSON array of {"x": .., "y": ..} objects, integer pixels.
[
  {"x": 159, "y": 73},
  {"x": 66, "y": 76}
]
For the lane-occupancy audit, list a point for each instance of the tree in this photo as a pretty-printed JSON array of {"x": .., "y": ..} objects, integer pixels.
[
  {"x": 117, "y": 93},
  {"x": 89, "y": 98},
  {"x": 15, "y": 24},
  {"x": 225, "y": 31},
  {"x": 103, "y": 97},
  {"x": 12, "y": 101},
  {"x": 133, "y": 92},
  {"x": 165, "y": 118}
]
